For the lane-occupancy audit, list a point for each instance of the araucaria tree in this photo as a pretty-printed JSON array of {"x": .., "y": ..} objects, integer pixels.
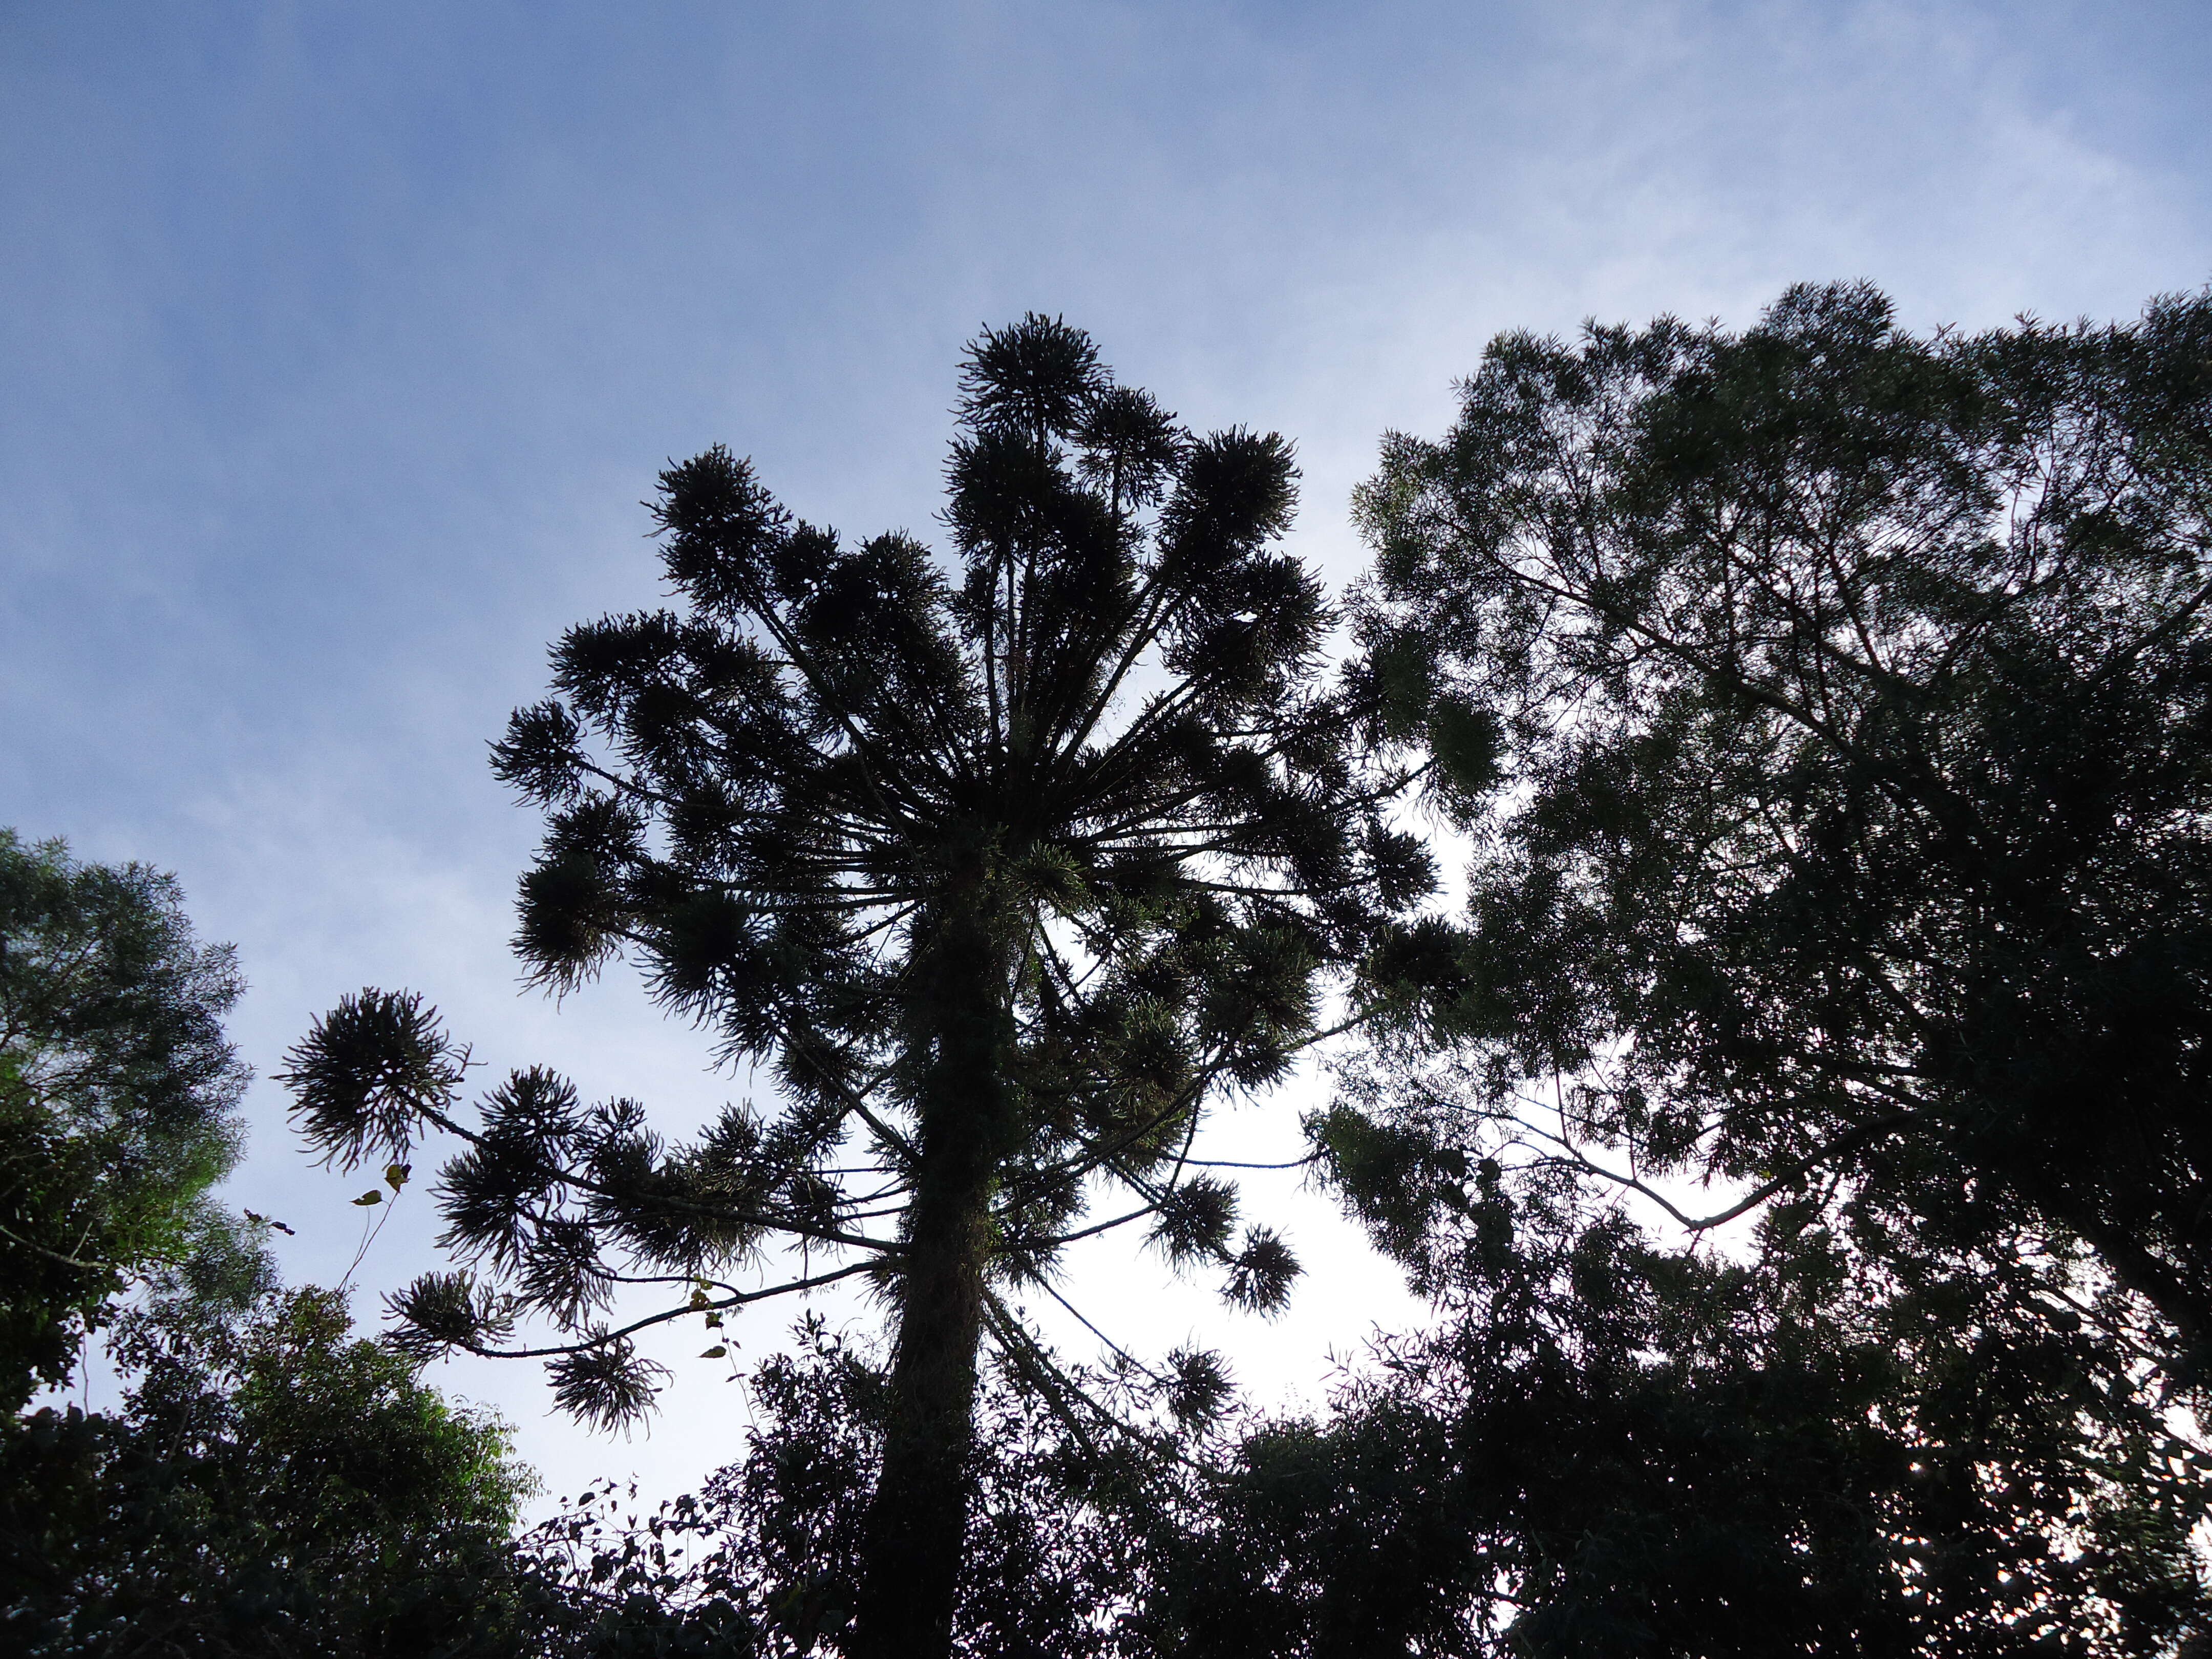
[{"x": 1006, "y": 865}]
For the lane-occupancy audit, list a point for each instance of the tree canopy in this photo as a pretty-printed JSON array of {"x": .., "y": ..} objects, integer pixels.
[
  {"x": 272, "y": 1486},
  {"x": 1835, "y": 702},
  {"x": 1005, "y": 866},
  {"x": 118, "y": 1099},
  {"x": 1828, "y": 708},
  {"x": 1609, "y": 1445},
  {"x": 1800, "y": 1132},
  {"x": 1604, "y": 1445}
]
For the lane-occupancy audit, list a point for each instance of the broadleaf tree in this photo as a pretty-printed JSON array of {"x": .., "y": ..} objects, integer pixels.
[
  {"x": 1005, "y": 865},
  {"x": 271, "y": 1485},
  {"x": 1611, "y": 1441},
  {"x": 1829, "y": 704},
  {"x": 119, "y": 1096}
]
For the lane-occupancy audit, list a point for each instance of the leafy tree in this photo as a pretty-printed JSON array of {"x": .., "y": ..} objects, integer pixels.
[
  {"x": 1006, "y": 871},
  {"x": 1831, "y": 704},
  {"x": 274, "y": 1487},
  {"x": 1605, "y": 1448},
  {"x": 118, "y": 1097},
  {"x": 1828, "y": 709},
  {"x": 1613, "y": 1447}
]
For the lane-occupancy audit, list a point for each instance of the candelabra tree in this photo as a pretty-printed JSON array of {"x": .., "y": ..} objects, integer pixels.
[{"x": 1005, "y": 867}]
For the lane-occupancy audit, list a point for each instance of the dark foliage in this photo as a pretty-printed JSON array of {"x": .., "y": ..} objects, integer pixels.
[
  {"x": 769, "y": 1557},
  {"x": 118, "y": 1097},
  {"x": 1828, "y": 707},
  {"x": 368, "y": 1071},
  {"x": 1606, "y": 1448},
  {"x": 1612, "y": 1449},
  {"x": 1853, "y": 691},
  {"x": 273, "y": 1487}
]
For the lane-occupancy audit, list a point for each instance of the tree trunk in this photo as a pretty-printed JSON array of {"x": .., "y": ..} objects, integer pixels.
[{"x": 918, "y": 1520}]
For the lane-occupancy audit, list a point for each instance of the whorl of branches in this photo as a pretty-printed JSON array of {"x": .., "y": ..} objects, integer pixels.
[{"x": 367, "y": 1072}]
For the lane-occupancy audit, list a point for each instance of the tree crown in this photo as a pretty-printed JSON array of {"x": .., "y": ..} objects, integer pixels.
[
  {"x": 117, "y": 1096},
  {"x": 1091, "y": 761}
]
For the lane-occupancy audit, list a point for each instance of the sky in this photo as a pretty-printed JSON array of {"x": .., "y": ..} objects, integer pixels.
[{"x": 339, "y": 345}]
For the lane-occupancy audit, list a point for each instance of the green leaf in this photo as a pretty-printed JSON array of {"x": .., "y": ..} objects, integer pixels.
[{"x": 372, "y": 1196}]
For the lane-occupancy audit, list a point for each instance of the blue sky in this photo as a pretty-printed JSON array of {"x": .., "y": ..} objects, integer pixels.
[{"x": 338, "y": 344}]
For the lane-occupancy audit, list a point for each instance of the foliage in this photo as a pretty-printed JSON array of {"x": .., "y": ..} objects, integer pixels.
[
  {"x": 1606, "y": 1448},
  {"x": 1610, "y": 1447},
  {"x": 1006, "y": 870},
  {"x": 1852, "y": 692},
  {"x": 769, "y": 1557},
  {"x": 1827, "y": 708},
  {"x": 118, "y": 1097},
  {"x": 273, "y": 1486}
]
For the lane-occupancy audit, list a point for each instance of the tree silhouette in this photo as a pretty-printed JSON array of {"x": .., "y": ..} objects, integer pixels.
[
  {"x": 1007, "y": 869},
  {"x": 1831, "y": 704},
  {"x": 272, "y": 1485},
  {"x": 119, "y": 1096}
]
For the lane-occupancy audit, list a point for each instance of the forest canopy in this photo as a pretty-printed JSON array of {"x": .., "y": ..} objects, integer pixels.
[
  {"x": 119, "y": 1093},
  {"x": 1796, "y": 1122},
  {"x": 1828, "y": 707}
]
